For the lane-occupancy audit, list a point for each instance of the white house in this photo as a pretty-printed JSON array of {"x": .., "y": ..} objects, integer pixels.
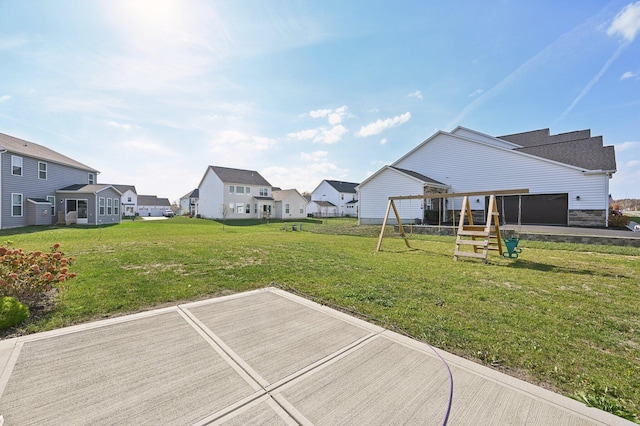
[
  {"x": 567, "y": 176},
  {"x": 289, "y": 204},
  {"x": 151, "y": 205},
  {"x": 234, "y": 194},
  {"x": 129, "y": 199},
  {"x": 189, "y": 203},
  {"x": 334, "y": 198}
]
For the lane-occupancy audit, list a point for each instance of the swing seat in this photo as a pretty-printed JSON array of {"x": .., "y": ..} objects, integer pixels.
[{"x": 512, "y": 248}]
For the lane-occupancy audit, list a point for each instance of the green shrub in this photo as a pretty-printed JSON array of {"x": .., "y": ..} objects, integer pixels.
[
  {"x": 33, "y": 277},
  {"x": 618, "y": 221},
  {"x": 12, "y": 312}
]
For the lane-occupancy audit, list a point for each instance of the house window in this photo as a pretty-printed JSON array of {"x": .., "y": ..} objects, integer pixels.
[
  {"x": 342, "y": 196},
  {"x": 239, "y": 189},
  {"x": 52, "y": 200},
  {"x": 101, "y": 206},
  {"x": 16, "y": 205},
  {"x": 128, "y": 199},
  {"x": 247, "y": 208},
  {"x": 42, "y": 170},
  {"x": 116, "y": 207},
  {"x": 231, "y": 188},
  {"x": 264, "y": 192},
  {"x": 109, "y": 206},
  {"x": 247, "y": 189},
  {"x": 240, "y": 208},
  {"x": 16, "y": 165},
  {"x": 286, "y": 208},
  {"x": 231, "y": 207},
  {"x": 92, "y": 178},
  {"x": 301, "y": 209},
  {"x": 255, "y": 208}
]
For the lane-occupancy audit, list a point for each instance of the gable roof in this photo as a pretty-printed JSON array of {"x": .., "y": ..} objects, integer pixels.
[
  {"x": 577, "y": 148},
  {"x": 413, "y": 175},
  {"x": 246, "y": 177},
  {"x": 88, "y": 188},
  {"x": 125, "y": 188},
  {"x": 30, "y": 149},
  {"x": 417, "y": 175},
  {"x": 281, "y": 194},
  {"x": 193, "y": 194},
  {"x": 345, "y": 187},
  {"x": 152, "y": 200}
]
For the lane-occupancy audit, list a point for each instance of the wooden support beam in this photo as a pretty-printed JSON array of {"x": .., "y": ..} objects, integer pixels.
[{"x": 461, "y": 194}]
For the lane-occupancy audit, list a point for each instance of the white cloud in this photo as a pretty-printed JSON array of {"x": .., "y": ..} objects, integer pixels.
[
  {"x": 627, "y": 22},
  {"x": 625, "y": 146},
  {"x": 417, "y": 94},
  {"x": 314, "y": 156},
  {"x": 383, "y": 141},
  {"x": 304, "y": 134},
  {"x": 5, "y": 98},
  {"x": 117, "y": 125},
  {"x": 476, "y": 92},
  {"x": 305, "y": 177},
  {"x": 233, "y": 148},
  {"x": 628, "y": 74},
  {"x": 331, "y": 136},
  {"x": 146, "y": 147},
  {"x": 319, "y": 113},
  {"x": 334, "y": 116},
  {"x": 381, "y": 125}
]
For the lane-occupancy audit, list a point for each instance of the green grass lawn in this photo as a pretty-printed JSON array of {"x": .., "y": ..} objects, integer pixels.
[{"x": 562, "y": 316}]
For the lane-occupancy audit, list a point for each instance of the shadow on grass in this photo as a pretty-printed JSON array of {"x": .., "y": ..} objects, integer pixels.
[
  {"x": 255, "y": 222},
  {"x": 42, "y": 228},
  {"x": 543, "y": 267}
]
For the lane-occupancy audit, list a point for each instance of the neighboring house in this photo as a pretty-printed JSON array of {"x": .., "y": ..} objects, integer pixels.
[
  {"x": 129, "y": 200},
  {"x": 189, "y": 203},
  {"x": 152, "y": 206},
  {"x": 289, "y": 204},
  {"x": 567, "y": 176},
  {"x": 31, "y": 181},
  {"x": 234, "y": 194},
  {"x": 89, "y": 204},
  {"x": 334, "y": 198},
  {"x": 322, "y": 209}
]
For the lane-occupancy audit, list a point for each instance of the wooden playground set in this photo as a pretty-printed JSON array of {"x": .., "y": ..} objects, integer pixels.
[{"x": 472, "y": 240}]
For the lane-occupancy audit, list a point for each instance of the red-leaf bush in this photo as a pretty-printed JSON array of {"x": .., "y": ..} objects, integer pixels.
[{"x": 34, "y": 277}]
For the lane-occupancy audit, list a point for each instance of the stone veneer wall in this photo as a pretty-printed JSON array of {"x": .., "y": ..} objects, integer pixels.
[{"x": 588, "y": 218}]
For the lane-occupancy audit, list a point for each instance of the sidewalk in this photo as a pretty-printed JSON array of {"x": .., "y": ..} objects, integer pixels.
[{"x": 259, "y": 357}]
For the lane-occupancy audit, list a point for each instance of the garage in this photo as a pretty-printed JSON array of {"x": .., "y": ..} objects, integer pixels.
[{"x": 537, "y": 209}]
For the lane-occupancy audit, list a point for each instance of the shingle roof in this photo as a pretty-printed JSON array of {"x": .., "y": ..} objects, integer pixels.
[
  {"x": 125, "y": 188},
  {"x": 193, "y": 194},
  {"x": 246, "y": 177},
  {"x": 417, "y": 175},
  {"x": 152, "y": 200},
  {"x": 30, "y": 149},
  {"x": 577, "y": 148},
  {"x": 345, "y": 187},
  {"x": 87, "y": 188}
]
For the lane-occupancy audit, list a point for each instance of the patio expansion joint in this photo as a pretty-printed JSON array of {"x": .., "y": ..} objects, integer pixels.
[{"x": 269, "y": 390}]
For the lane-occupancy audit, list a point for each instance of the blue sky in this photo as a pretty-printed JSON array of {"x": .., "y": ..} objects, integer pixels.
[{"x": 152, "y": 92}]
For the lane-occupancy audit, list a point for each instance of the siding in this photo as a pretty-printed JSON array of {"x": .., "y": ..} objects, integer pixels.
[
  {"x": 94, "y": 211},
  {"x": 211, "y": 196},
  {"x": 374, "y": 197},
  {"x": 58, "y": 176},
  {"x": 470, "y": 166}
]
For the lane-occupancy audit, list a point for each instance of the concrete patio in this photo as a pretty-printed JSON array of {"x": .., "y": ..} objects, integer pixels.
[{"x": 261, "y": 357}]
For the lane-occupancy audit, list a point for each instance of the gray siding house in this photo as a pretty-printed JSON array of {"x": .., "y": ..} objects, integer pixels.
[{"x": 39, "y": 186}]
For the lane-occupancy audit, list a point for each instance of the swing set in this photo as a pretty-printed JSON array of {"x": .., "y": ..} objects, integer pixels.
[{"x": 480, "y": 239}]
